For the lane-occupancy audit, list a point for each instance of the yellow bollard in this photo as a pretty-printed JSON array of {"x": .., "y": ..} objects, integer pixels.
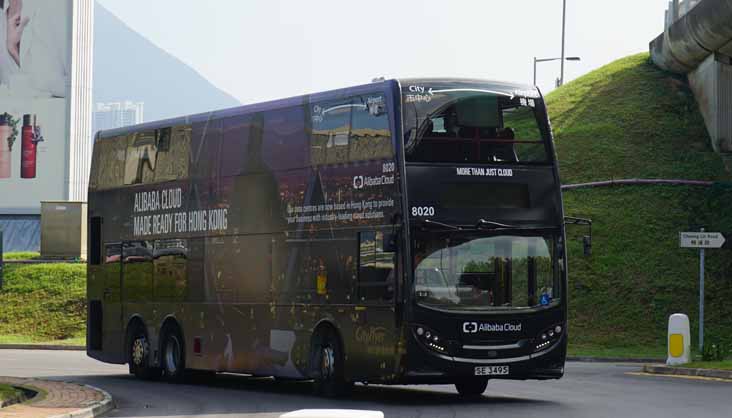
[{"x": 679, "y": 340}]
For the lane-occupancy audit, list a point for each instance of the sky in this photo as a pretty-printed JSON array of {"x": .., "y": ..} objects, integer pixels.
[{"x": 259, "y": 50}]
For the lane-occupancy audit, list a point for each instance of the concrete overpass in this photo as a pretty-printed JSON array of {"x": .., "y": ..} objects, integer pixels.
[{"x": 697, "y": 42}]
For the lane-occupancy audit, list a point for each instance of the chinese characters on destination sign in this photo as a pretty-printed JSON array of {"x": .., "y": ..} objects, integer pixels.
[{"x": 701, "y": 239}]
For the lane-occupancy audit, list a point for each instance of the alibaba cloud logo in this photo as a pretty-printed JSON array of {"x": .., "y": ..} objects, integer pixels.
[
  {"x": 470, "y": 327},
  {"x": 358, "y": 182}
]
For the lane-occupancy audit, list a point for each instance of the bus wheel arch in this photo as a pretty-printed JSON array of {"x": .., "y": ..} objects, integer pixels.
[
  {"x": 172, "y": 350},
  {"x": 139, "y": 350},
  {"x": 327, "y": 360}
]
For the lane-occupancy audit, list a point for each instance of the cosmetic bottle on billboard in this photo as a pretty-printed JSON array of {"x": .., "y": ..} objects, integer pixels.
[
  {"x": 30, "y": 137},
  {"x": 6, "y": 146}
]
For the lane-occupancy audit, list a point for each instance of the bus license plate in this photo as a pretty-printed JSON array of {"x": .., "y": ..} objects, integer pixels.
[{"x": 491, "y": 370}]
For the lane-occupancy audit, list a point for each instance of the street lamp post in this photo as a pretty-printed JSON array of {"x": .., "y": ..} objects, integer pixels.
[
  {"x": 537, "y": 60},
  {"x": 564, "y": 20}
]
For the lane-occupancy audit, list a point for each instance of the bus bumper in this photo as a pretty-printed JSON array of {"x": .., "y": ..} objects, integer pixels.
[{"x": 427, "y": 367}]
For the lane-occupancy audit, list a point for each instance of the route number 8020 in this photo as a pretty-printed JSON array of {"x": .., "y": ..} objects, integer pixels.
[{"x": 423, "y": 211}]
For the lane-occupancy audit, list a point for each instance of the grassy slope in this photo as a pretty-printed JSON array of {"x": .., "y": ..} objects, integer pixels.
[
  {"x": 626, "y": 120},
  {"x": 43, "y": 302},
  {"x": 25, "y": 255},
  {"x": 8, "y": 392}
]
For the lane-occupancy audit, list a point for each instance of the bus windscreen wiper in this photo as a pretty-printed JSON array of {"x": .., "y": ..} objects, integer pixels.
[
  {"x": 435, "y": 223},
  {"x": 485, "y": 224},
  {"x": 482, "y": 223}
]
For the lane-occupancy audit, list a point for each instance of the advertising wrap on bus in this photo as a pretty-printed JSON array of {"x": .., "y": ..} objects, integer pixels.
[
  {"x": 35, "y": 68},
  {"x": 312, "y": 238}
]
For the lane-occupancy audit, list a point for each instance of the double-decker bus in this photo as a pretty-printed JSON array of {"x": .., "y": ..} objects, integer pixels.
[{"x": 400, "y": 232}]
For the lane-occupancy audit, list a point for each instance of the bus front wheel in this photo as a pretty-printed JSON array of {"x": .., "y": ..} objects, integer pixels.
[
  {"x": 472, "y": 387},
  {"x": 327, "y": 363}
]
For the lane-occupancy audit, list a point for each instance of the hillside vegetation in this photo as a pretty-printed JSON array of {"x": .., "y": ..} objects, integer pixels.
[
  {"x": 43, "y": 302},
  {"x": 631, "y": 120}
]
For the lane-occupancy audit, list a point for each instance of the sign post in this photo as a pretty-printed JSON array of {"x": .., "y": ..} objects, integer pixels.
[
  {"x": 701, "y": 240},
  {"x": 701, "y": 299}
]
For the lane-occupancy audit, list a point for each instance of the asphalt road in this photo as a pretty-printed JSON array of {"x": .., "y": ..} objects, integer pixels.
[{"x": 587, "y": 390}]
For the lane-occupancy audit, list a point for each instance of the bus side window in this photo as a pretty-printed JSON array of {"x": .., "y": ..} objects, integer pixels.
[
  {"x": 235, "y": 145},
  {"x": 284, "y": 145},
  {"x": 108, "y": 166},
  {"x": 142, "y": 157},
  {"x": 205, "y": 149},
  {"x": 174, "y": 149},
  {"x": 375, "y": 268},
  {"x": 170, "y": 264},
  {"x": 370, "y": 133},
  {"x": 137, "y": 264},
  {"x": 112, "y": 253},
  {"x": 330, "y": 132}
]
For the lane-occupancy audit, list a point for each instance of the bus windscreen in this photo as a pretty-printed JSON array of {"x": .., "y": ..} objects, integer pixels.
[
  {"x": 465, "y": 271},
  {"x": 470, "y": 124}
]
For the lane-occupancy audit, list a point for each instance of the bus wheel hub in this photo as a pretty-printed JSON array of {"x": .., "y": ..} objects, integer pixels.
[
  {"x": 328, "y": 361},
  {"x": 138, "y": 351}
]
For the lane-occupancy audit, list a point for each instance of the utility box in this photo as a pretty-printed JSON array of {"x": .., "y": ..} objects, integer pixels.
[
  {"x": 679, "y": 340},
  {"x": 63, "y": 230}
]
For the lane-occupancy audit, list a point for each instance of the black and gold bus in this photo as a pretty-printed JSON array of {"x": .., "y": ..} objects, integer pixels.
[{"x": 401, "y": 232}]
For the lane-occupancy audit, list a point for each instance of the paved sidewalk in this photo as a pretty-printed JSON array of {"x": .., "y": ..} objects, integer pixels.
[{"x": 58, "y": 400}]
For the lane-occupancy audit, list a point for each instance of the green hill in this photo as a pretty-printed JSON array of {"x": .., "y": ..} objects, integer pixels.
[
  {"x": 43, "y": 302},
  {"x": 632, "y": 120}
]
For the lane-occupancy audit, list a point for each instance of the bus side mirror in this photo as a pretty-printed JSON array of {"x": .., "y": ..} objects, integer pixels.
[
  {"x": 587, "y": 239},
  {"x": 587, "y": 245}
]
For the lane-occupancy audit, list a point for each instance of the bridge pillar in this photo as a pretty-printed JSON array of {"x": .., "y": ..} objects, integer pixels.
[{"x": 711, "y": 83}]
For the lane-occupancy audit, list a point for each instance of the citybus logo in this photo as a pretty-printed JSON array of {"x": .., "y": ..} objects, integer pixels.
[{"x": 474, "y": 327}]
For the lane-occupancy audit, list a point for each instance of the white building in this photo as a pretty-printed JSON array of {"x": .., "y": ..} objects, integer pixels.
[
  {"x": 117, "y": 115},
  {"x": 51, "y": 92}
]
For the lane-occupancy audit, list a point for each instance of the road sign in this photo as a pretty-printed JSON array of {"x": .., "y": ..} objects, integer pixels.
[{"x": 701, "y": 239}]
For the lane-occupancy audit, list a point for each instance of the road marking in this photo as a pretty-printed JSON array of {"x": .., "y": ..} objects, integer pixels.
[{"x": 709, "y": 379}]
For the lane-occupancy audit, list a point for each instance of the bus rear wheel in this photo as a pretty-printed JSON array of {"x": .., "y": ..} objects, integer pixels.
[
  {"x": 471, "y": 387},
  {"x": 328, "y": 361},
  {"x": 139, "y": 355},
  {"x": 174, "y": 355}
]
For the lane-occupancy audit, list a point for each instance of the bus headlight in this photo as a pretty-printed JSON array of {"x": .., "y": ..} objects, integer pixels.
[
  {"x": 548, "y": 337},
  {"x": 430, "y": 339}
]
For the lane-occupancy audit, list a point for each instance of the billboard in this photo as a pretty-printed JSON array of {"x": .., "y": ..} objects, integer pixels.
[{"x": 36, "y": 41}]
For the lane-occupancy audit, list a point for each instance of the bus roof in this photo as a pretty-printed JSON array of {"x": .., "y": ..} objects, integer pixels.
[
  {"x": 517, "y": 89},
  {"x": 505, "y": 87}
]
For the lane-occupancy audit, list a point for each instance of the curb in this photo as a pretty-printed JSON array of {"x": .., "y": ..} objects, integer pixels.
[
  {"x": 42, "y": 347},
  {"x": 96, "y": 410},
  {"x": 583, "y": 359},
  {"x": 681, "y": 371}
]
